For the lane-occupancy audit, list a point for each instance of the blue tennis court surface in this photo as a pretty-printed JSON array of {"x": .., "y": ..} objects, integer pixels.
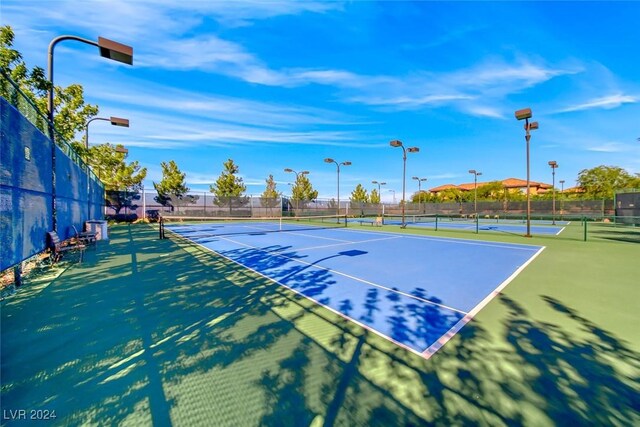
[
  {"x": 511, "y": 226},
  {"x": 414, "y": 290}
]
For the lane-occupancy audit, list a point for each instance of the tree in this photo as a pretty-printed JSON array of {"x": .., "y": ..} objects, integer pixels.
[
  {"x": 421, "y": 197},
  {"x": 358, "y": 198},
  {"x": 359, "y": 195},
  {"x": 493, "y": 190},
  {"x": 71, "y": 112},
  {"x": 122, "y": 181},
  {"x": 302, "y": 191},
  {"x": 374, "y": 197},
  {"x": 228, "y": 188},
  {"x": 602, "y": 181},
  {"x": 270, "y": 196},
  {"x": 172, "y": 189},
  {"x": 33, "y": 83}
]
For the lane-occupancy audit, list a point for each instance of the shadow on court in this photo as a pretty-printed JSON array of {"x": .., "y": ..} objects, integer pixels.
[{"x": 149, "y": 332}]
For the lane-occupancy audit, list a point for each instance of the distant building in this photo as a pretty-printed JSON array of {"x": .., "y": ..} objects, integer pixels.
[{"x": 511, "y": 184}]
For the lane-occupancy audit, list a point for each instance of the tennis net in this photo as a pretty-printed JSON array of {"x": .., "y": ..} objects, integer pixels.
[
  {"x": 203, "y": 227},
  {"x": 391, "y": 219}
]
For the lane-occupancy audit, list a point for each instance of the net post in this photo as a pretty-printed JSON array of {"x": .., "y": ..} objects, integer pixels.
[
  {"x": 477, "y": 225},
  {"x": 161, "y": 228},
  {"x": 436, "y": 222},
  {"x": 585, "y": 229}
]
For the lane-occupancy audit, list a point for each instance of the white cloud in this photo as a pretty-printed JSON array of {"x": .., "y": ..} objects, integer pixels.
[
  {"x": 606, "y": 102},
  {"x": 609, "y": 147}
]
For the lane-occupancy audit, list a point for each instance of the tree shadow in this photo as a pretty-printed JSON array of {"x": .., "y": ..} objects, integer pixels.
[{"x": 153, "y": 333}]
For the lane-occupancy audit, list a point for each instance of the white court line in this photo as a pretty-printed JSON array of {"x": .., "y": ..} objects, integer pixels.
[
  {"x": 297, "y": 233},
  {"x": 432, "y": 349},
  {"x": 457, "y": 240},
  {"x": 357, "y": 279},
  {"x": 348, "y": 243},
  {"x": 344, "y": 316},
  {"x": 561, "y": 230},
  {"x": 467, "y": 318}
]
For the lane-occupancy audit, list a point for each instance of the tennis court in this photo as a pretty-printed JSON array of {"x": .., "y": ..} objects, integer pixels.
[
  {"x": 416, "y": 291},
  {"x": 513, "y": 226}
]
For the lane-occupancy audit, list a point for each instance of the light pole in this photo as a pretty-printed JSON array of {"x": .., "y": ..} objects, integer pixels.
[
  {"x": 330, "y": 160},
  {"x": 379, "y": 192},
  {"x": 475, "y": 189},
  {"x": 525, "y": 114},
  {"x": 554, "y": 166},
  {"x": 108, "y": 49},
  {"x": 296, "y": 183},
  {"x": 420, "y": 181},
  {"x": 394, "y": 194},
  {"x": 397, "y": 143},
  {"x": 561, "y": 198},
  {"x": 115, "y": 121},
  {"x": 379, "y": 184}
]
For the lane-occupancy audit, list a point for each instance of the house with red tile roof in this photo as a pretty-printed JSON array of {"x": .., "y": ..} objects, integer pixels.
[{"x": 512, "y": 184}]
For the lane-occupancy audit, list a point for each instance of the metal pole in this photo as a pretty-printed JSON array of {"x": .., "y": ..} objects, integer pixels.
[
  {"x": 419, "y": 196},
  {"x": 338, "y": 212},
  {"x": 475, "y": 193},
  {"x": 561, "y": 199},
  {"x": 528, "y": 137},
  {"x": 404, "y": 170},
  {"x": 553, "y": 173}
]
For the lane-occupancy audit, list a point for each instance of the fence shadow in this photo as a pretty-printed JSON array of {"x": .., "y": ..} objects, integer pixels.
[{"x": 156, "y": 333}]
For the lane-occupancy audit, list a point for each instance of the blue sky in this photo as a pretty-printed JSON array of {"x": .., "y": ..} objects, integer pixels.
[{"x": 277, "y": 85}]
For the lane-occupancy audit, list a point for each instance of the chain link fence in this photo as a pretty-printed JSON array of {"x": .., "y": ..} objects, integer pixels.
[{"x": 42, "y": 185}]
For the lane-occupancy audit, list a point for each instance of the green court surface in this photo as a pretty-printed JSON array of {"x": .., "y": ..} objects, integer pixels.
[{"x": 147, "y": 331}]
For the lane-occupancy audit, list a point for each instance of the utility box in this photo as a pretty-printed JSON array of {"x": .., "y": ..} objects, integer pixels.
[{"x": 99, "y": 227}]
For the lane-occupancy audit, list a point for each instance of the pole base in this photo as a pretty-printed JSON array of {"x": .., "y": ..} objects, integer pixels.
[{"x": 528, "y": 235}]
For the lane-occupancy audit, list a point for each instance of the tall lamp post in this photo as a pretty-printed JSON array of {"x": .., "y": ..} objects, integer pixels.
[
  {"x": 554, "y": 166},
  {"x": 115, "y": 121},
  {"x": 379, "y": 193},
  {"x": 108, "y": 49},
  {"x": 330, "y": 160},
  {"x": 525, "y": 114},
  {"x": 394, "y": 194},
  {"x": 296, "y": 183},
  {"x": 561, "y": 198},
  {"x": 475, "y": 189},
  {"x": 420, "y": 181},
  {"x": 397, "y": 143}
]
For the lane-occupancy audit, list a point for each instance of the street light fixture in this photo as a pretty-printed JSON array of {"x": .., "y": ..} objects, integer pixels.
[
  {"x": 115, "y": 121},
  {"x": 475, "y": 189},
  {"x": 397, "y": 143},
  {"x": 297, "y": 176},
  {"x": 330, "y": 160},
  {"x": 108, "y": 49},
  {"x": 420, "y": 181},
  {"x": 554, "y": 166},
  {"x": 394, "y": 194},
  {"x": 525, "y": 114}
]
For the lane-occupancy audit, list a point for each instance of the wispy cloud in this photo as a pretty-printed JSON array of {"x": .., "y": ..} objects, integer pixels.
[
  {"x": 606, "y": 102},
  {"x": 176, "y": 44},
  {"x": 609, "y": 147}
]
